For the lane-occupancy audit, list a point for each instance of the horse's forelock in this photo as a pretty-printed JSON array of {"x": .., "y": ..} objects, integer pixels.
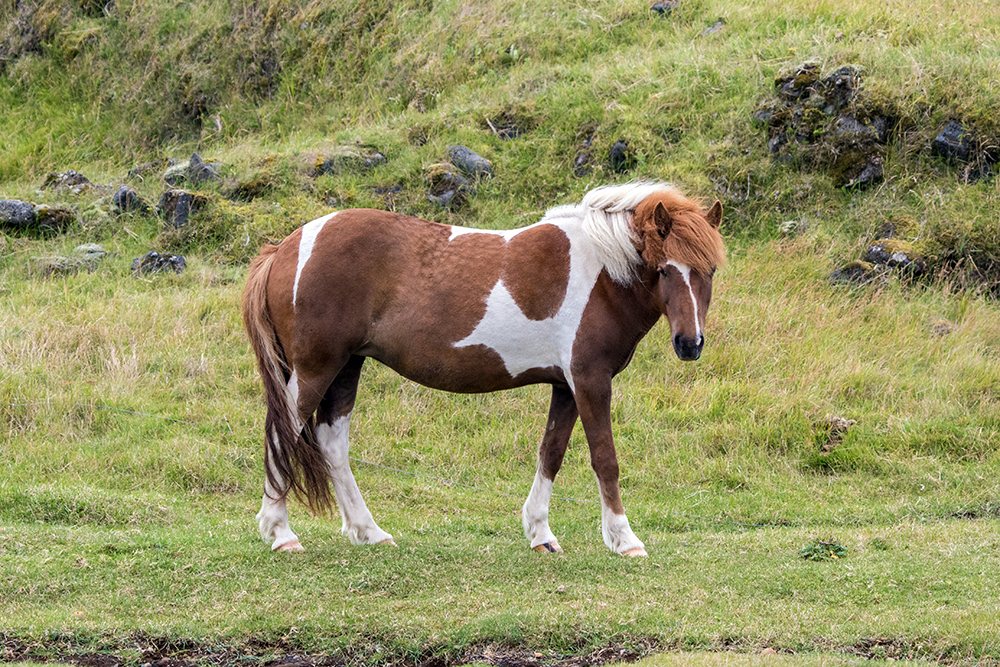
[
  {"x": 691, "y": 240},
  {"x": 620, "y": 221}
]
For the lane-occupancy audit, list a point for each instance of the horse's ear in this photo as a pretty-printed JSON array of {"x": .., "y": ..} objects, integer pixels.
[
  {"x": 661, "y": 218},
  {"x": 714, "y": 215}
]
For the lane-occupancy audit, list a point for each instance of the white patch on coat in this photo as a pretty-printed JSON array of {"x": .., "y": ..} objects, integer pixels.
[
  {"x": 357, "y": 522},
  {"x": 685, "y": 272},
  {"x": 535, "y": 513},
  {"x": 523, "y": 343},
  {"x": 309, "y": 233}
]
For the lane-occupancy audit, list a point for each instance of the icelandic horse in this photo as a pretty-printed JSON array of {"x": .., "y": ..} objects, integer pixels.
[{"x": 564, "y": 302}]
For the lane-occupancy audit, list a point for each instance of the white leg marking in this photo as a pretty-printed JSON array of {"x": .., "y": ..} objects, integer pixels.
[
  {"x": 272, "y": 519},
  {"x": 357, "y": 522},
  {"x": 617, "y": 533},
  {"x": 535, "y": 513},
  {"x": 306, "y": 243},
  {"x": 685, "y": 272}
]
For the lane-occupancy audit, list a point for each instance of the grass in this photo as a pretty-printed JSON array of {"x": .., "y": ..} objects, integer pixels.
[{"x": 131, "y": 413}]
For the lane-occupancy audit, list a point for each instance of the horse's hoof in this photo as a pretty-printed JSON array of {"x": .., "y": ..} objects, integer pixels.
[
  {"x": 389, "y": 541},
  {"x": 291, "y": 546},
  {"x": 548, "y": 547},
  {"x": 635, "y": 552}
]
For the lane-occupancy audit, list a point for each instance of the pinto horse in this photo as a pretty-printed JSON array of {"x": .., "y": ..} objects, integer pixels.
[{"x": 563, "y": 302}]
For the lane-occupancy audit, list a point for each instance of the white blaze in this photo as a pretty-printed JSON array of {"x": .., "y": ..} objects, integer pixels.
[{"x": 685, "y": 272}]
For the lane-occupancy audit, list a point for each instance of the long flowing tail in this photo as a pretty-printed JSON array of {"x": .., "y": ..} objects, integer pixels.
[{"x": 292, "y": 456}]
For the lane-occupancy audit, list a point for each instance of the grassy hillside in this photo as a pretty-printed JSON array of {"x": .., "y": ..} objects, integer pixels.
[{"x": 131, "y": 412}]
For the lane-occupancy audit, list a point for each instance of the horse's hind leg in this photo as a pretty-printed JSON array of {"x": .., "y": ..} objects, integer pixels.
[
  {"x": 272, "y": 520},
  {"x": 535, "y": 513},
  {"x": 332, "y": 429}
]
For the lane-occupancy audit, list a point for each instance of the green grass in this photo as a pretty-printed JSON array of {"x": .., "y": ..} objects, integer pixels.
[{"x": 131, "y": 415}]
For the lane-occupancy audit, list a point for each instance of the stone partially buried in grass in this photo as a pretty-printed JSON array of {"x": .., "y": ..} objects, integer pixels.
[
  {"x": 469, "y": 162},
  {"x": 15, "y": 215},
  {"x": 154, "y": 262}
]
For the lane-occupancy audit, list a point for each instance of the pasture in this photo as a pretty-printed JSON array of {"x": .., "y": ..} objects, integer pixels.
[{"x": 132, "y": 416}]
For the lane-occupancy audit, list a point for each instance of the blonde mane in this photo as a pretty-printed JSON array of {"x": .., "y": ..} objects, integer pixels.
[{"x": 620, "y": 222}]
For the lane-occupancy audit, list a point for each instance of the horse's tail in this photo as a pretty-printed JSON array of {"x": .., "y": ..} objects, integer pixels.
[{"x": 293, "y": 459}]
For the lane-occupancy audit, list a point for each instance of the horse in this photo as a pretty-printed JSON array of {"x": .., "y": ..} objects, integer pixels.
[{"x": 563, "y": 302}]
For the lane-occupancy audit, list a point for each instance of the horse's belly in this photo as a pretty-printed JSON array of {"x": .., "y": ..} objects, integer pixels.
[{"x": 472, "y": 367}]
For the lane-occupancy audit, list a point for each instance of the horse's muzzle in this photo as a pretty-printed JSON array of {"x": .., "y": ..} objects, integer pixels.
[{"x": 688, "y": 349}]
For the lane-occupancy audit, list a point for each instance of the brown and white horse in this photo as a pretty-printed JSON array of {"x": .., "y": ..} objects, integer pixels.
[{"x": 563, "y": 302}]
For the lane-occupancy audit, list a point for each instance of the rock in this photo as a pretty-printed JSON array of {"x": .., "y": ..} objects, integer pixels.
[
  {"x": 90, "y": 251},
  {"x": 127, "y": 200},
  {"x": 448, "y": 189},
  {"x": 469, "y": 162},
  {"x": 941, "y": 327},
  {"x": 177, "y": 205},
  {"x": 791, "y": 228},
  {"x": 347, "y": 157},
  {"x": 84, "y": 257},
  {"x": 72, "y": 181},
  {"x": 865, "y": 173},
  {"x": 176, "y": 173},
  {"x": 795, "y": 87},
  {"x": 194, "y": 171},
  {"x": 838, "y": 88},
  {"x": 154, "y": 262},
  {"x": 953, "y": 143},
  {"x": 848, "y": 125},
  {"x": 16, "y": 215},
  {"x": 621, "y": 158},
  {"x": 53, "y": 218},
  {"x": 896, "y": 255},
  {"x": 199, "y": 171},
  {"x": 856, "y": 272},
  {"x": 714, "y": 28},
  {"x": 664, "y": 8},
  {"x": 835, "y": 429}
]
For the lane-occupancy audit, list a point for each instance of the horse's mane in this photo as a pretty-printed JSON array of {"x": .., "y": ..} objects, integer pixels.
[{"x": 619, "y": 220}]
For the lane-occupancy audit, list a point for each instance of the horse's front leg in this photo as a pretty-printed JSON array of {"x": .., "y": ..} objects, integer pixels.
[
  {"x": 594, "y": 402},
  {"x": 535, "y": 513}
]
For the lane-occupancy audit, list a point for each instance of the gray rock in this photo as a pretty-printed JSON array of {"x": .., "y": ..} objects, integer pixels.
[
  {"x": 664, "y": 8},
  {"x": 154, "y": 262},
  {"x": 18, "y": 215},
  {"x": 896, "y": 255},
  {"x": 199, "y": 171},
  {"x": 448, "y": 189},
  {"x": 72, "y": 181},
  {"x": 176, "y": 174},
  {"x": 127, "y": 200},
  {"x": 714, "y": 28},
  {"x": 854, "y": 273},
  {"x": 469, "y": 162},
  {"x": 953, "y": 143},
  {"x": 621, "y": 158},
  {"x": 84, "y": 258},
  {"x": 177, "y": 205},
  {"x": 53, "y": 218},
  {"x": 90, "y": 251}
]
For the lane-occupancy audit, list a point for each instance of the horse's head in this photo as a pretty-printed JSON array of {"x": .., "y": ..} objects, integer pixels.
[{"x": 684, "y": 246}]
